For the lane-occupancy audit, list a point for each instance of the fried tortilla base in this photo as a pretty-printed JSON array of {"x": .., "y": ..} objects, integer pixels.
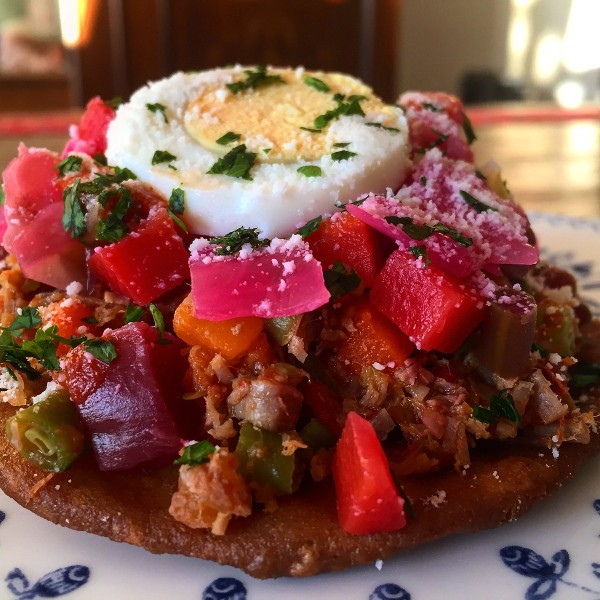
[{"x": 302, "y": 537}]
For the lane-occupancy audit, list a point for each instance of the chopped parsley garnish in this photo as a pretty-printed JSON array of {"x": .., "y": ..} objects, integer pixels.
[
  {"x": 100, "y": 159},
  {"x": 310, "y": 227},
  {"x": 177, "y": 201},
  {"x": 2, "y": 195},
  {"x": 73, "y": 218},
  {"x": 340, "y": 155},
  {"x": 112, "y": 196},
  {"x": 384, "y": 127},
  {"x": 42, "y": 348},
  {"x": 112, "y": 228},
  {"x": 28, "y": 319},
  {"x": 468, "y": 129},
  {"x": 162, "y": 156},
  {"x": 431, "y": 107},
  {"x": 311, "y": 129},
  {"x": 159, "y": 321},
  {"x": 157, "y": 107},
  {"x": 102, "y": 349},
  {"x": 420, "y": 252},
  {"x": 341, "y": 144},
  {"x": 423, "y": 181},
  {"x": 501, "y": 406},
  {"x": 71, "y": 164},
  {"x": 267, "y": 150},
  {"x": 544, "y": 352},
  {"x": 114, "y": 103},
  {"x": 196, "y": 454},
  {"x": 340, "y": 280},
  {"x": 345, "y": 106},
  {"x": 236, "y": 163},
  {"x": 133, "y": 313},
  {"x": 176, "y": 207},
  {"x": 475, "y": 204},
  {"x": 234, "y": 240},
  {"x": 228, "y": 137},
  {"x": 310, "y": 171},
  {"x": 442, "y": 139},
  {"x": 584, "y": 373},
  {"x": 479, "y": 174},
  {"x": 91, "y": 320},
  {"x": 316, "y": 83},
  {"x": 257, "y": 78},
  {"x": 420, "y": 232}
]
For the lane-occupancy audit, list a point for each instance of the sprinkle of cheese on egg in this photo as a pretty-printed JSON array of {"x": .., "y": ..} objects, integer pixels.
[{"x": 276, "y": 198}]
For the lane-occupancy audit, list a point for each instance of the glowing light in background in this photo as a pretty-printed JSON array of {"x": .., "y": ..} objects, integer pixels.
[
  {"x": 519, "y": 34},
  {"x": 569, "y": 94},
  {"x": 548, "y": 57},
  {"x": 76, "y": 20},
  {"x": 581, "y": 51}
]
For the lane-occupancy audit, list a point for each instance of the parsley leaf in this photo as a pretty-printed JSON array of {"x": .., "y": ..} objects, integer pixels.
[
  {"x": 100, "y": 159},
  {"x": 544, "y": 352},
  {"x": 236, "y": 163},
  {"x": 420, "y": 232},
  {"x": 477, "y": 205},
  {"x": 501, "y": 406},
  {"x": 234, "y": 240},
  {"x": 340, "y": 280},
  {"x": 310, "y": 227},
  {"x": 101, "y": 349},
  {"x": 341, "y": 144},
  {"x": 73, "y": 218},
  {"x": 196, "y": 454},
  {"x": 340, "y": 155},
  {"x": 177, "y": 201},
  {"x": 114, "y": 103},
  {"x": 420, "y": 252},
  {"x": 177, "y": 220},
  {"x": 71, "y": 164},
  {"x": 468, "y": 129},
  {"x": 162, "y": 156},
  {"x": 380, "y": 126},
  {"x": 229, "y": 137},
  {"x": 133, "y": 313},
  {"x": 345, "y": 106},
  {"x": 423, "y": 181},
  {"x": 310, "y": 171},
  {"x": 28, "y": 319},
  {"x": 311, "y": 129},
  {"x": 316, "y": 83},
  {"x": 158, "y": 107},
  {"x": 159, "y": 321},
  {"x": 112, "y": 228},
  {"x": 431, "y": 107},
  {"x": 257, "y": 78}
]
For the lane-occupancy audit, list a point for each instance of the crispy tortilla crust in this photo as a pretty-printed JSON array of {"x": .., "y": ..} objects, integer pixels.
[{"x": 302, "y": 537}]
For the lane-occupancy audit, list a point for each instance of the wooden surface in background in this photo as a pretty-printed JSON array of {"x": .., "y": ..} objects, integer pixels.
[{"x": 358, "y": 37}]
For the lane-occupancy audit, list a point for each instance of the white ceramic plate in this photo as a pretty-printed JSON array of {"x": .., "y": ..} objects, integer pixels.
[{"x": 552, "y": 552}]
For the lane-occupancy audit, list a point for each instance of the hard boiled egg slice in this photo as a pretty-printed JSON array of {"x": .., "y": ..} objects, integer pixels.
[{"x": 256, "y": 147}]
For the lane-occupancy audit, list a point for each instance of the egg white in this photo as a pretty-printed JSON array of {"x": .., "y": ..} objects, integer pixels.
[{"x": 279, "y": 199}]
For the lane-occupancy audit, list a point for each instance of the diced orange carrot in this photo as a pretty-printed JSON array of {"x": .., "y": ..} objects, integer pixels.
[
  {"x": 374, "y": 340},
  {"x": 228, "y": 338}
]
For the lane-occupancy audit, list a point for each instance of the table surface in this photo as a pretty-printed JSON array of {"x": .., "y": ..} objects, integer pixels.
[{"x": 549, "y": 165}]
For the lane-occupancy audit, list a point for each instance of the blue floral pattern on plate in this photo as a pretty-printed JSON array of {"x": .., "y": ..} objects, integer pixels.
[{"x": 51, "y": 585}]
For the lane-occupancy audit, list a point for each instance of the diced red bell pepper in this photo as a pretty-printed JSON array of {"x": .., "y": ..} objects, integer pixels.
[
  {"x": 372, "y": 340},
  {"x": 91, "y": 134},
  {"x": 435, "y": 311},
  {"x": 127, "y": 405},
  {"x": 147, "y": 262},
  {"x": 367, "y": 498},
  {"x": 348, "y": 239},
  {"x": 323, "y": 405}
]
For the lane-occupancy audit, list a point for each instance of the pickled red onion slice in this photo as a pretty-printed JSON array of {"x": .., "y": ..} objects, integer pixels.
[{"x": 281, "y": 280}]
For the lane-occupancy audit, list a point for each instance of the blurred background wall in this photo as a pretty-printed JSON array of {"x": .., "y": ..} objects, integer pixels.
[{"x": 58, "y": 53}]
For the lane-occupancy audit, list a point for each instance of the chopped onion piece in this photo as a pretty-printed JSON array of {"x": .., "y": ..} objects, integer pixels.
[{"x": 280, "y": 280}]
